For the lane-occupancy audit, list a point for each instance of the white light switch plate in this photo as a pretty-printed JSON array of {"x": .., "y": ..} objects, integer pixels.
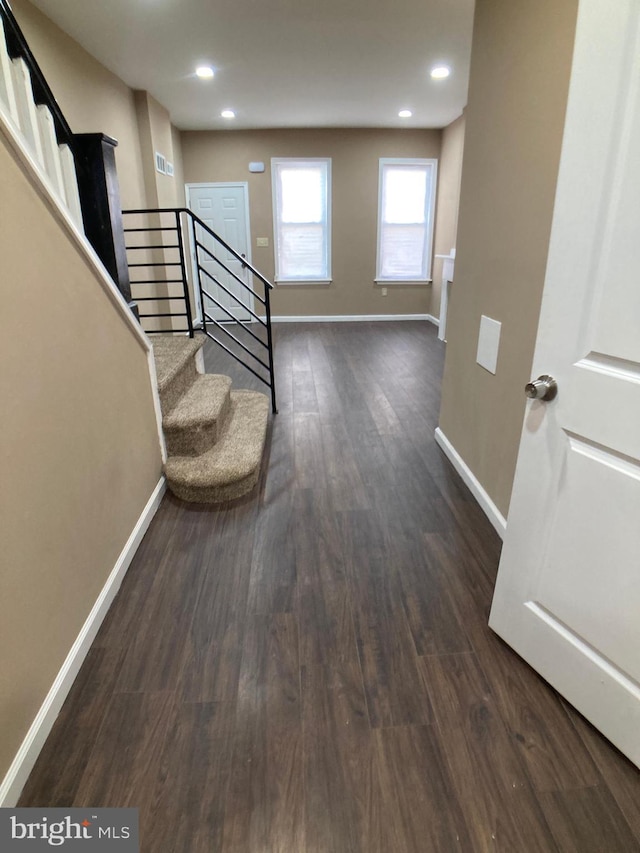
[
  {"x": 262, "y": 242},
  {"x": 488, "y": 343}
]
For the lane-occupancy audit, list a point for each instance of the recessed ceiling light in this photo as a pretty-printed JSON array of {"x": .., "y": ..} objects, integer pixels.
[
  {"x": 228, "y": 114},
  {"x": 205, "y": 72},
  {"x": 439, "y": 72},
  {"x": 405, "y": 113}
]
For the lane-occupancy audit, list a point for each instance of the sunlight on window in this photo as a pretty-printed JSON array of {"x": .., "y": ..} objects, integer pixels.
[
  {"x": 404, "y": 196},
  {"x": 302, "y": 195}
]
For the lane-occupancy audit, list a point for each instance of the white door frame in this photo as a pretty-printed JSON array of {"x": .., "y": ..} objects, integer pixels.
[{"x": 194, "y": 272}]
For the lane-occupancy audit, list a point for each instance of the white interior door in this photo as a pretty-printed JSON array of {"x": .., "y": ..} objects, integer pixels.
[
  {"x": 568, "y": 589},
  {"x": 224, "y": 207}
]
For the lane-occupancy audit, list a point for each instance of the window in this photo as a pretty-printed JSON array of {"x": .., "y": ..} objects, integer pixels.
[
  {"x": 302, "y": 221},
  {"x": 406, "y": 200}
]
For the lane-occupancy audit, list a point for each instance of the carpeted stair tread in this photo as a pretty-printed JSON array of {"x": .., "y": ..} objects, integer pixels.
[
  {"x": 205, "y": 401},
  {"x": 231, "y": 467},
  {"x": 172, "y": 353},
  {"x": 196, "y": 421}
]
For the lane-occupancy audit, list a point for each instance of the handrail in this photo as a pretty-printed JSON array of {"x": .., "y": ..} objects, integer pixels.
[
  {"x": 226, "y": 268},
  {"x": 217, "y": 237},
  {"x": 208, "y": 321},
  {"x": 235, "y": 319},
  {"x": 18, "y": 48},
  {"x": 233, "y": 296}
]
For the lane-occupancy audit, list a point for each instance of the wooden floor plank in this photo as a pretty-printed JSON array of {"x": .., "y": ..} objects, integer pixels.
[
  {"x": 587, "y": 820},
  {"x": 273, "y": 581},
  {"x": 213, "y": 643},
  {"x": 554, "y": 755},
  {"x": 125, "y": 754},
  {"x": 342, "y": 796},
  {"x": 165, "y": 614},
  {"x": 58, "y": 772},
  {"x": 323, "y": 602},
  {"x": 493, "y": 788},
  {"x": 193, "y": 775},
  {"x": 619, "y": 774},
  {"x": 264, "y": 805},
  {"x": 394, "y": 687},
  {"x": 421, "y": 811}
]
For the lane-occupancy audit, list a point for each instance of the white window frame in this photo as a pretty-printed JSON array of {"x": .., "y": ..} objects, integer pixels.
[
  {"x": 430, "y": 207},
  {"x": 275, "y": 162}
]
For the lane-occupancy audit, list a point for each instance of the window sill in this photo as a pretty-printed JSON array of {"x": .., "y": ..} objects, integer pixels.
[
  {"x": 402, "y": 282},
  {"x": 302, "y": 282}
]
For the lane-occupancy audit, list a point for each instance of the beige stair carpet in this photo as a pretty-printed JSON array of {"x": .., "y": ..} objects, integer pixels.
[
  {"x": 195, "y": 422},
  {"x": 231, "y": 467},
  {"x": 215, "y": 437},
  {"x": 175, "y": 366}
]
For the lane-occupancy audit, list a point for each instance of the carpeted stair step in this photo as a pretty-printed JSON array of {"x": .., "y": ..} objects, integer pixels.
[
  {"x": 175, "y": 366},
  {"x": 196, "y": 421},
  {"x": 230, "y": 469}
]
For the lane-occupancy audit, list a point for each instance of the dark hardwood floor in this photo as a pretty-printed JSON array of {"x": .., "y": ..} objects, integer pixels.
[{"x": 310, "y": 671}]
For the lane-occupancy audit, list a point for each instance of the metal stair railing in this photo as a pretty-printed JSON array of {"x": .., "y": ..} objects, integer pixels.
[
  {"x": 157, "y": 254},
  {"x": 255, "y": 352}
]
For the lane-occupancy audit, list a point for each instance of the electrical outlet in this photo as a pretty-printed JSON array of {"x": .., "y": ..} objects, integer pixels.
[
  {"x": 262, "y": 242},
  {"x": 384, "y": 291}
]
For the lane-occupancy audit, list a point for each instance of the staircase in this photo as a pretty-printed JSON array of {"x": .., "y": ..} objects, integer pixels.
[{"x": 215, "y": 437}]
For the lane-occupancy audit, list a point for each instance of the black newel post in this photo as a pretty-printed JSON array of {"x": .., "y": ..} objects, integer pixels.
[{"x": 100, "y": 201}]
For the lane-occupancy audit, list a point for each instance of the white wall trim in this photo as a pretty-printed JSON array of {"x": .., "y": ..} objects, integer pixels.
[
  {"x": 295, "y": 162},
  {"x": 430, "y": 166},
  {"x": 433, "y": 320},
  {"x": 346, "y": 318},
  {"x": 492, "y": 512},
  {"x": 155, "y": 393},
  {"x": 45, "y": 189},
  {"x": 35, "y": 738}
]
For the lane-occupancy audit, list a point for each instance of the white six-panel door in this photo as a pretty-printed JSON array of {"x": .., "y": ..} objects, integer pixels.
[
  {"x": 568, "y": 589},
  {"x": 224, "y": 207}
]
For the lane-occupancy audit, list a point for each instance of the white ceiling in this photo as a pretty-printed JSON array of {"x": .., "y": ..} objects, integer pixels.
[{"x": 283, "y": 63}]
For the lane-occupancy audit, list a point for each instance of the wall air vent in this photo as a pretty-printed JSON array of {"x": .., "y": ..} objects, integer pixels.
[{"x": 161, "y": 163}]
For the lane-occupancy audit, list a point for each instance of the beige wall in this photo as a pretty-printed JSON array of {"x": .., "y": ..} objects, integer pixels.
[
  {"x": 79, "y": 447},
  {"x": 157, "y": 134},
  {"x": 176, "y": 144},
  {"x": 449, "y": 176},
  {"x": 520, "y": 69},
  {"x": 92, "y": 98},
  {"x": 225, "y": 155}
]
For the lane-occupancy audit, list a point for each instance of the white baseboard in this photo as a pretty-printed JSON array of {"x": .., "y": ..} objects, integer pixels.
[
  {"x": 23, "y": 763},
  {"x": 346, "y": 318},
  {"x": 492, "y": 512},
  {"x": 431, "y": 319}
]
